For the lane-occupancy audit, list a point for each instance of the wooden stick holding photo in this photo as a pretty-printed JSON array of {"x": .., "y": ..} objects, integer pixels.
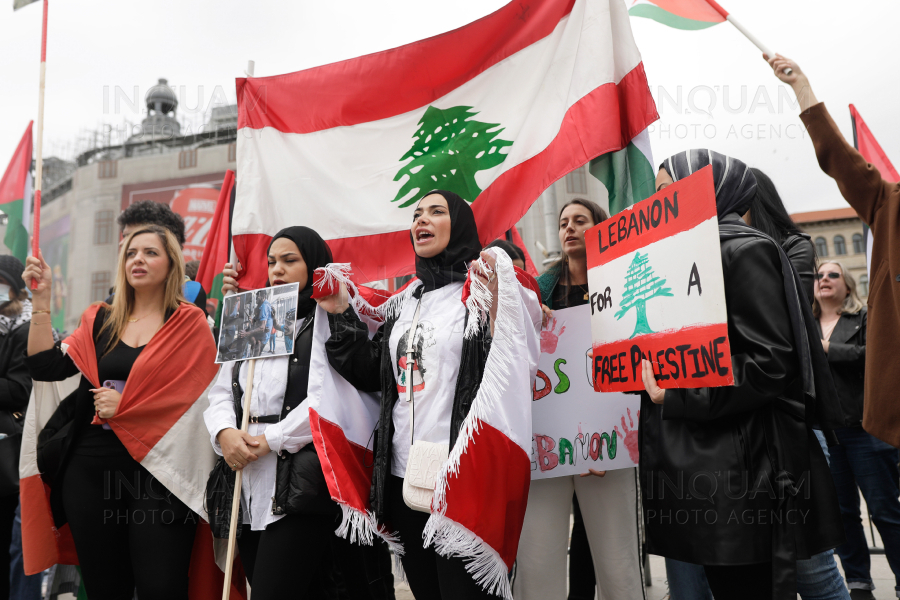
[{"x": 236, "y": 500}]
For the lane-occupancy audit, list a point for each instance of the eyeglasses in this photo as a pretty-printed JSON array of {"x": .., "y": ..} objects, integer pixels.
[{"x": 831, "y": 275}]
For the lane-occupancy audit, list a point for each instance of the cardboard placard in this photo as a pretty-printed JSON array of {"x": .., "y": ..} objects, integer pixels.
[
  {"x": 576, "y": 428},
  {"x": 657, "y": 291}
]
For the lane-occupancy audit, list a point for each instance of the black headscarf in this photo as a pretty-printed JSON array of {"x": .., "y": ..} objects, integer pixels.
[
  {"x": 463, "y": 247},
  {"x": 735, "y": 183},
  {"x": 315, "y": 253}
]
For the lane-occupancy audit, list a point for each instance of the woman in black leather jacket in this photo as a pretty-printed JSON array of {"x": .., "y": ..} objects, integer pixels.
[
  {"x": 289, "y": 517},
  {"x": 733, "y": 477}
]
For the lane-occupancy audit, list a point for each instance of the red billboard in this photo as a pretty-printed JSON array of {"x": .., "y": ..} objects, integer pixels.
[{"x": 194, "y": 198}]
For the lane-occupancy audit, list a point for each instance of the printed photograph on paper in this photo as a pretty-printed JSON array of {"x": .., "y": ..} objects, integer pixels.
[{"x": 258, "y": 324}]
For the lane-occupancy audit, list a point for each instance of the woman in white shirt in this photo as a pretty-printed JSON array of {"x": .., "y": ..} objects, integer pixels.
[
  {"x": 445, "y": 378},
  {"x": 289, "y": 517}
]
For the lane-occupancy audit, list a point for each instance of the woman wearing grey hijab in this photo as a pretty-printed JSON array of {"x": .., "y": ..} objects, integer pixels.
[{"x": 752, "y": 491}]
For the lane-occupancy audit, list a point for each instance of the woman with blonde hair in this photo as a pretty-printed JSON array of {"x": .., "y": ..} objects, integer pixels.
[
  {"x": 145, "y": 362},
  {"x": 861, "y": 462}
]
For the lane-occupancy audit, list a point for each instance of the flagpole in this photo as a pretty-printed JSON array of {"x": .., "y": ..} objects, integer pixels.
[
  {"x": 39, "y": 168},
  {"x": 740, "y": 27},
  {"x": 236, "y": 500}
]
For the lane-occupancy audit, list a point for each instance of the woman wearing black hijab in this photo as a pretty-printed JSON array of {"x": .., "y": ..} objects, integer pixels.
[
  {"x": 289, "y": 517},
  {"x": 748, "y": 487},
  {"x": 445, "y": 379}
]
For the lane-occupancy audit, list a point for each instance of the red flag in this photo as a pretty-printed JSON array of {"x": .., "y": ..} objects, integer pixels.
[
  {"x": 868, "y": 146},
  {"x": 215, "y": 253}
]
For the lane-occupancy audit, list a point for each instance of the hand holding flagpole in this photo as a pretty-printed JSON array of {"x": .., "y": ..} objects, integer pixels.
[
  {"x": 38, "y": 180},
  {"x": 236, "y": 500},
  {"x": 740, "y": 27}
]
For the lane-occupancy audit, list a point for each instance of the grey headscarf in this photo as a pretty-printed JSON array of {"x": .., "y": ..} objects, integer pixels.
[{"x": 735, "y": 183}]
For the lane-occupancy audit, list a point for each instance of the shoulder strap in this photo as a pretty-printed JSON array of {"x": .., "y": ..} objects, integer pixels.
[
  {"x": 410, "y": 359},
  {"x": 237, "y": 392}
]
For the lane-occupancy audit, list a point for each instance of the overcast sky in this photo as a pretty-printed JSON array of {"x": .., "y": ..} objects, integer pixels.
[{"x": 848, "y": 49}]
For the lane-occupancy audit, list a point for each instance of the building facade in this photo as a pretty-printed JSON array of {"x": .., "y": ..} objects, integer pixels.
[
  {"x": 81, "y": 202},
  {"x": 838, "y": 236}
]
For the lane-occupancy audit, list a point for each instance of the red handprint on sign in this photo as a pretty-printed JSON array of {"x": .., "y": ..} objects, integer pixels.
[
  {"x": 630, "y": 437},
  {"x": 550, "y": 338}
]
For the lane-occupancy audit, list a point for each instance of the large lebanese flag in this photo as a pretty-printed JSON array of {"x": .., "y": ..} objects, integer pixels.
[{"x": 495, "y": 111}]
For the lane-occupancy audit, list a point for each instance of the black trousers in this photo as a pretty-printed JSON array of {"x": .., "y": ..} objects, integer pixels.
[
  {"x": 8, "y": 506},
  {"x": 740, "y": 582},
  {"x": 125, "y": 534},
  {"x": 430, "y": 576},
  {"x": 582, "y": 580},
  {"x": 299, "y": 556}
]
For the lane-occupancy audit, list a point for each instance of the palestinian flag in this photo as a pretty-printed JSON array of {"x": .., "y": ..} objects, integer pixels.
[
  {"x": 680, "y": 14},
  {"x": 628, "y": 175},
  {"x": 218, "y": 245},
  {"x": 495, "y": 111},
  {"x": 15, "y": 197}
]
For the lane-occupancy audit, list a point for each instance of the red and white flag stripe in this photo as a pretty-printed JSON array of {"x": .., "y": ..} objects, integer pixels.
[{"x": 563, "y": 79}]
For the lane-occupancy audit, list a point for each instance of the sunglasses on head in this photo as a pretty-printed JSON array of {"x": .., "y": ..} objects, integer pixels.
[{"x": 831, "y": 275}]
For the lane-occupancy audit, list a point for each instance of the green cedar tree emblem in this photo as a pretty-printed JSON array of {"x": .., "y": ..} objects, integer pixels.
[
  {"x": 448, "y": 149},
  {"x": 641, "y": 285}
]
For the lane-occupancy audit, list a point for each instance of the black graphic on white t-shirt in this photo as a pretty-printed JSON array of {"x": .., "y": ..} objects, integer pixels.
[{"x": 424, "y": 339}]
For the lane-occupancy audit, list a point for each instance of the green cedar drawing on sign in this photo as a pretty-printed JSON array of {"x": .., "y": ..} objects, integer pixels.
[
  {"x": 641, "y": 285},
  {"x": 448, "y": 149}
]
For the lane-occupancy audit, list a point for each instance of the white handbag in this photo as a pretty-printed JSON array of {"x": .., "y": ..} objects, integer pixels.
[{"x": 426, "y": 459}]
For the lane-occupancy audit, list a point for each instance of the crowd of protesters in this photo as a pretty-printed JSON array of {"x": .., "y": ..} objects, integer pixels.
[{"x": 809, "y": 421}]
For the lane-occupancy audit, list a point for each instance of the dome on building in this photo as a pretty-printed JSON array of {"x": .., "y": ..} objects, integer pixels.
[
  {"x": 161, "y": 98},
  {"x": 160, "y": 123}
]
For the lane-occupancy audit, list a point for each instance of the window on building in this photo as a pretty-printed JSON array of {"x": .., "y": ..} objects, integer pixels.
[
  {"x": 103, "y": 227},
  {"x": 859, "y": 247},
  {"x": 107, "y": 169},
  {"x": 821, "y": 247},
  {"x": 840, "y": 246},
  {"x": 187, "y": 159},
  {"x": 232, "y": 152},
  {"x": 100, "y": 284},
  {"x": 576, "y": 182},
  {"x": 863, "y": 287}
]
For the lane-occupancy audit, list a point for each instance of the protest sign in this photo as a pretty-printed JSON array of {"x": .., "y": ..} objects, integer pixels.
[
  {"x": 576, "y": 428},
  {"x": 258, "y": 324},
  {"x": 657, "y": 291}
]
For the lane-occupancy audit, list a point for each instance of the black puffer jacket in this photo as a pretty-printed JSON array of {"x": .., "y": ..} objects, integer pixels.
[
  {"x": 300, "y": 486},
  {"x": 367, "y": 365},
  {"x": 720, "y": 466}
]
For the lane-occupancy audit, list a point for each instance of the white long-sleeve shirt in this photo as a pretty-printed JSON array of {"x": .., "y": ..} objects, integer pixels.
[{"x": 288, "y": 435}]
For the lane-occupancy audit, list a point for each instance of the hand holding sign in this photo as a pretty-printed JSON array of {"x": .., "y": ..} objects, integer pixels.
[{"x": 657, "y": 292}]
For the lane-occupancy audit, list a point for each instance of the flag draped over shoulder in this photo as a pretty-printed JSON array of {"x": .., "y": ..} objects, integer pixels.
[
  {"x": 15, "y": 197},
  {"x": 342, "y": 420},
  {"x": 495, "y": 111},
  {"x": 218, "y": 245},
  {"x": 680, "y": 14},
  {"x": 159, "y": 421},
  {"x": 482, "y": 488}
]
